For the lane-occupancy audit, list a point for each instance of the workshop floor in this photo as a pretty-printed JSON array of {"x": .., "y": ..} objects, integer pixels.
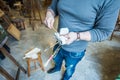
[{"x": 101, "y": 62}]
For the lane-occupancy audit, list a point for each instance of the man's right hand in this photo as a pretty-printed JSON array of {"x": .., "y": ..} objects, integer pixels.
[{"x": 49, "y": 19}]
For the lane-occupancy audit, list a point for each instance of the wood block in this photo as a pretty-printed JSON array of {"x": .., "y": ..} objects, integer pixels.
[{"x": 14, "y": 31}]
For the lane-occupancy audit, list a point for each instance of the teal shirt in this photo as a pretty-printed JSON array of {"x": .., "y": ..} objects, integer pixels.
[
  {"x": 97, "y": 16},
  {"x": 3, "y": 34}
]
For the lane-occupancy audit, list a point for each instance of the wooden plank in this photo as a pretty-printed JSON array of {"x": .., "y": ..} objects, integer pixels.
[{"x": 14, "y": 31}]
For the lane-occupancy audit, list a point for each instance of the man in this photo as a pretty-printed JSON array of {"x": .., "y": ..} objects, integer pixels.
[{"x": 87, "y": 20}]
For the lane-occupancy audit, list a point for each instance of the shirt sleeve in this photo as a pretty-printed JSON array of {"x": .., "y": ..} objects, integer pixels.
[
  {"x": 106, "y": 22},
  {"x": 53, "y": 7}
]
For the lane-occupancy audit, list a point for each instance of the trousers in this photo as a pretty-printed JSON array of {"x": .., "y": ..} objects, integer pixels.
[{"x": 71, "y": 60}]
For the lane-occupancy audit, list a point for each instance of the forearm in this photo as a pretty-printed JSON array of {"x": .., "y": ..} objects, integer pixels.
[
  {"x": 51, "y": 11},
  {"x": 73, "y": 36},
  {"x": 84, "y": 36}
]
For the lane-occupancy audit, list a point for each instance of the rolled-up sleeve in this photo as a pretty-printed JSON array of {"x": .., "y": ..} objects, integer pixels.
[
  {"x": 53, "y": 7},
  {"x": 106, "y": 22}
]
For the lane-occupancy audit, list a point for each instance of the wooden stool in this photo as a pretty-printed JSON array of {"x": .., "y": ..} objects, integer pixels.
[
  {"x": 19, "y": 23},
  {"x": 18, "y": 6},
  {"x": 35, "y": 8},
  {"x": 37, "y": 57}
]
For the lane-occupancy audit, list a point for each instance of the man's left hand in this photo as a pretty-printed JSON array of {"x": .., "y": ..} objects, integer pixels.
[{"x": 71, "y": 37}]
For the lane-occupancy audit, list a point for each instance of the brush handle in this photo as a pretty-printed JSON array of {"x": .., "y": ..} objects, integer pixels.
[{"x": 49, "y": 60}]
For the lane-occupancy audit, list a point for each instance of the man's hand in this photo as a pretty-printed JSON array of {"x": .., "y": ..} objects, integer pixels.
[
  {"x": 49, "y": 20},
  {"x": 71, "y": 37}
]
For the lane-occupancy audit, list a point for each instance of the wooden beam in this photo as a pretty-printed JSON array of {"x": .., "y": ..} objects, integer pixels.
[{"x": 5, "y": 73}]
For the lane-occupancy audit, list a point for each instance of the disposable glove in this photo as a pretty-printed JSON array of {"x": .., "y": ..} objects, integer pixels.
[
  {"x": 71, "y": 37},
  {"x": 60, "y": 36},
  {"x": 49, "y": 19}
]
